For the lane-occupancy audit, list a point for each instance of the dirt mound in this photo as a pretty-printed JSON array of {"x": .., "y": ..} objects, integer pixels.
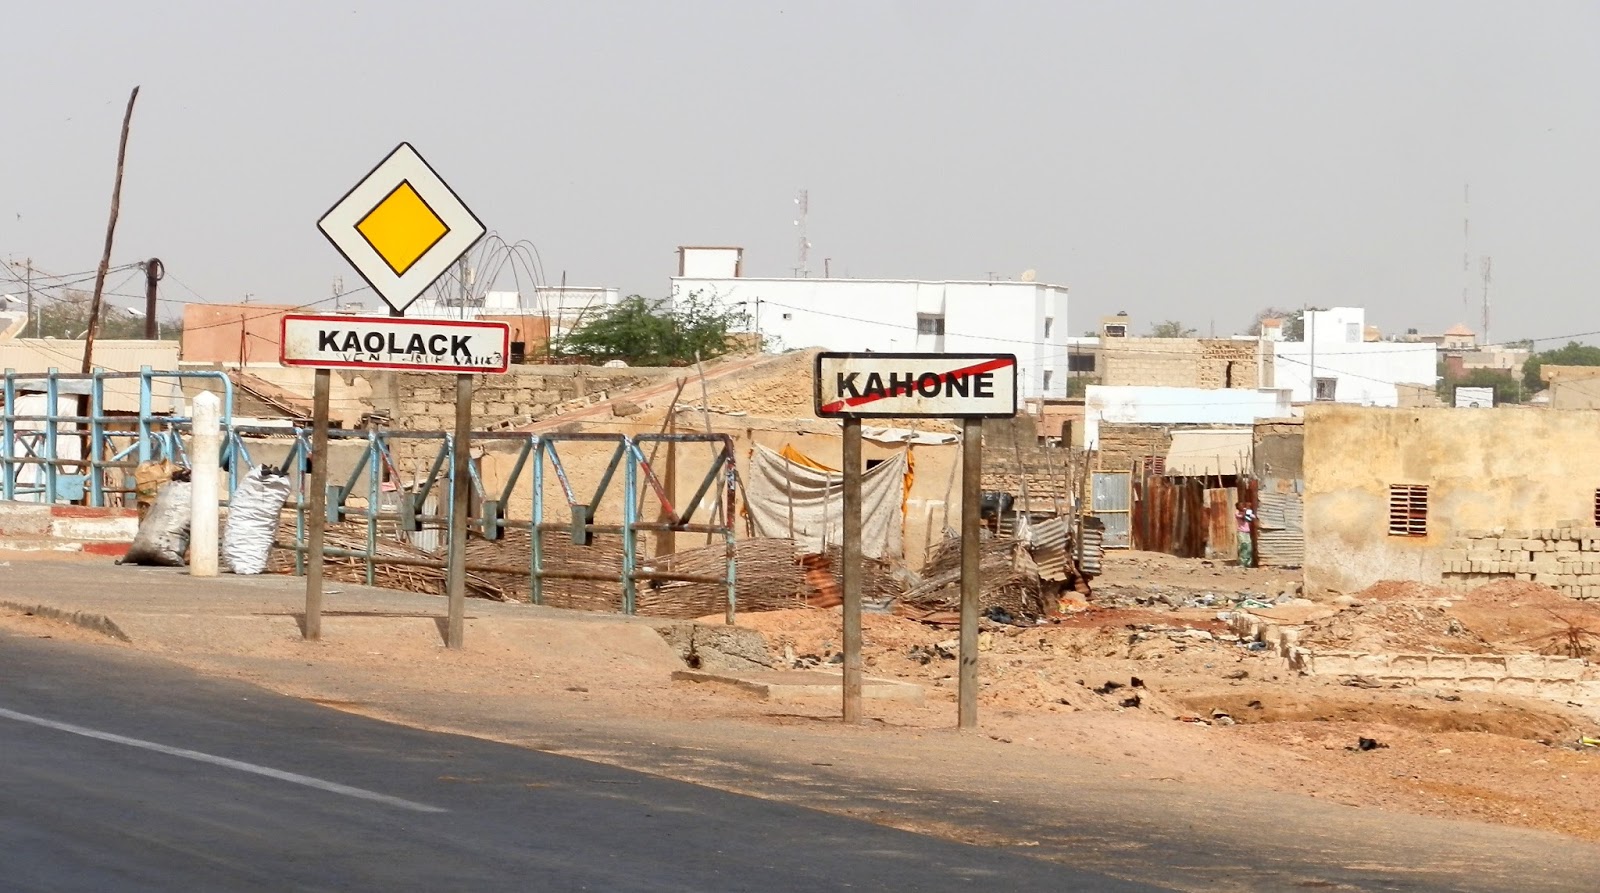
[
  {"x": 1508, "y": 617},
  {"x": 1518, "y": 616},
  {"x": 1477, "y": 713},
  {"x": 1400, "y": 590},
  {"x": 820, "y": 631}
]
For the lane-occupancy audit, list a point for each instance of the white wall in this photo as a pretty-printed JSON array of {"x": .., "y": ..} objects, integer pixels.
[
  {"x": 882, "y": 315},
  {"x": 1336, "y": 325},
  {"x": 709, "y": 263},
  {"x": 562, "y": 305},
  {"x": 1177, "y": 406},
  {"x": 1366, "y": 372}
]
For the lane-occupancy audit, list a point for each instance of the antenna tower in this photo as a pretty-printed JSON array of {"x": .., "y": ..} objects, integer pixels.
[
  {"x": 1466, "y": 244},
  {"x": 1487, "y": 263},
  {"x": 802, "y": 203}
]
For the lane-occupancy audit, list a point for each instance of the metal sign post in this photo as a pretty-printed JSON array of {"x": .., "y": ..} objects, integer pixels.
[
  {"x": 970, "y": 387},
  {"x": 318, "y": 512},
  {"x": 401, "y": 227},
  {"x": 971, "y": 508},
  {"x": 851, "y": 556},
  {"x": 460, "y": 487}
]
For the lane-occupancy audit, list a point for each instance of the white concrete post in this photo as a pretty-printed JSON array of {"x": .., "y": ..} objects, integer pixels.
[{"x": 205, "y": 454}]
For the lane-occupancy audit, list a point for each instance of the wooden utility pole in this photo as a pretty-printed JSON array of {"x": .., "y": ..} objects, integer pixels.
[
  {"x": 28, "y": 267},
  {"x": 153, "y": 272},
  {"x": 111, "y": 232}
]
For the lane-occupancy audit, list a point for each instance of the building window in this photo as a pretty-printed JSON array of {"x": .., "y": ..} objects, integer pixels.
[
  {"x": 1047, "y": 376},
  {"x": 788, "y": 316},
  {"x": 1324, "y": 389},
  {"x": 1049, "y": 324},
  {"x": 1352, "y": 332},
  {"x": 930, "y": 325},
  {"x": 1080, "y": 362},
  {"x": 1597, "y": 508},
  {"x": 1408, "y": 510},
  {"x": 1116, "y": 331}
]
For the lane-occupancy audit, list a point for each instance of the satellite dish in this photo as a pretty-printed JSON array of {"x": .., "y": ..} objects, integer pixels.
[{"x": 1030, "y": 275}]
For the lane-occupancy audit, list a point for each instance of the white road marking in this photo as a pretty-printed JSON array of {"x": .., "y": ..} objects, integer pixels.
[{"x": 237, "y": 765}]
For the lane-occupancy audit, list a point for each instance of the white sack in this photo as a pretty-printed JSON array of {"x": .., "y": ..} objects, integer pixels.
[{"x": 253, "y": 521}]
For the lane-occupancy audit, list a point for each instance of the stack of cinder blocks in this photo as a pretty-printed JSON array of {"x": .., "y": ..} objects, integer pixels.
[{"x": 1565, "y": 557}]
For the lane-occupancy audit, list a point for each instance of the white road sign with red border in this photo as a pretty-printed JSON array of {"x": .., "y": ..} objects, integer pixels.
[
  {"x": 415, "y": 345},
  {"x": 913, "y": 385}
]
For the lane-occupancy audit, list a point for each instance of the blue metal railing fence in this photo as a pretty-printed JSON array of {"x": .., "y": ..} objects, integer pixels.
[{"x": 88, "y": 455}]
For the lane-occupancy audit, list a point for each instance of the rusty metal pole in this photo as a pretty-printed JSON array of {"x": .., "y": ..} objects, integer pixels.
[
  {"x": 971, "y": 507},
  {"x": 851, "y": 557}
]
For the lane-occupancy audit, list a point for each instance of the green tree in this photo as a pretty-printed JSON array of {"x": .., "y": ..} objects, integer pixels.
[
  {"x": 1507, "y": 389},
  {"x": 1294, "y": 322},
  {"x": 1574, "y": 354},
  {"x": 67, "y": 317},
  {"x": 1171, "y": 328},
  {"x": 642, "y": 333}
]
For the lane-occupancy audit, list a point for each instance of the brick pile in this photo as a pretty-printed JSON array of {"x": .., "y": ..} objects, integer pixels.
[{"x": 1565, "y": 557}]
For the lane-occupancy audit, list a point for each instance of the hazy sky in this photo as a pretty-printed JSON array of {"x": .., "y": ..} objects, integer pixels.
[{"x": 1191, "y": 160}]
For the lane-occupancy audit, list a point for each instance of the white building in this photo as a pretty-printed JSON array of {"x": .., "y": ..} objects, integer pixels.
[
  {"x": 1336, "y": 363},
  {"x": 1140, "y": 405},
  {"x": 565, "y": 305},
  {"x": 1028, "y": 319}
]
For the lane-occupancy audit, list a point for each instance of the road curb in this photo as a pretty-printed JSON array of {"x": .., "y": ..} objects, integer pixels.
[{"x": 99, "y": 623}]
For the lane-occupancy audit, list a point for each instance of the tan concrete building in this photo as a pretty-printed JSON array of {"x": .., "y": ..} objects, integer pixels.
[
  {"x": 1503, "y": 359},
  {"x": 34, "y": 355},
  {"x": 1572, "y": 387},
  {"x": 1210, "y": 363},
  {"x": 1458, "y": 337},
  {"x": 1397, "y": 494},
  {"x": 233, "y": 333}
]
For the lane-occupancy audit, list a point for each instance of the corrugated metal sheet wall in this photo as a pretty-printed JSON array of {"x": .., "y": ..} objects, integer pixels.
[
  {"x": 1280, "y": 530},
  {"x": 1111, "y": 501}
]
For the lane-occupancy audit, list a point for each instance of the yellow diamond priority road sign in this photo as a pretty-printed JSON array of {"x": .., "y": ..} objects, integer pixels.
[{"x": 401, "y": 227}]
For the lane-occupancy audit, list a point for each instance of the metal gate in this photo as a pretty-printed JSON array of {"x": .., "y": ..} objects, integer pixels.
[{"x": 1109, "y": 501}]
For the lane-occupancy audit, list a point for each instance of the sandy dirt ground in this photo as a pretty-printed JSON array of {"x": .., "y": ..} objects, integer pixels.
[{"x": 1154, "y": 690}]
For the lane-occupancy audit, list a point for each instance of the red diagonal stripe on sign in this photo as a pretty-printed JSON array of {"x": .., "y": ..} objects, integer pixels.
[{"x": 952, "y": 375}]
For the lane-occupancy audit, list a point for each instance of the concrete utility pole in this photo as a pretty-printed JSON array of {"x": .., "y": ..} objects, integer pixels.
[
  {"x": 105, "y": 256},
  {"x": 205, "y": 487}
]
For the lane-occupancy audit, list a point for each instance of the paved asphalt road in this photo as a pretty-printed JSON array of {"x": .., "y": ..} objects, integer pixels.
[{"x": 118, "y": 773}]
